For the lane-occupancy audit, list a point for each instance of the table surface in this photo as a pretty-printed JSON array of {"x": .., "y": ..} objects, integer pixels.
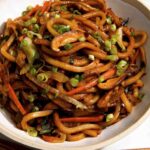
[{"x": 139, "y": 138}]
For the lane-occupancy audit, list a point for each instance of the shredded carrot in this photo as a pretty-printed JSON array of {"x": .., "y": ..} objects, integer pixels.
[
  {"x": 45, "y": 7},
  {"x": 108, "y": 74},
  {"x": 83, "y": 88},
  {"x": 83, "y": 119},
  {"x": 14, "y": 98}
]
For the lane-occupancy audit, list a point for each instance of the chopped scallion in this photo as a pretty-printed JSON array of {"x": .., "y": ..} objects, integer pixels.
[
  {"x": 31, "y": 98},
  {"x": 108, "y": 45},
  {"x": 113, "y": 50},
  {"x": 63, "y": 7},
  {"x": 24, "y": 31},
  {"x": 82, "y": 39},
  {"x": 29, "y": 8},
  {"x": 101, "y": 79},
  {"x": 109, "y": 20},
  {"x": 32, "y": 132},
  {"x": 33, "y": 71},
  {"x": 109, "y": 117},
  {"x": 35, "y": 108},
  {"x": 113, "y": 27},
  {"x": 57, "y": 16},
  {"x": 112, "y": 57},
  {"x": 61, "y": 28},
  {"x": 68, "y": 46},
  {"x": 42, "y": 77},
  {"x": 54, "y": 69},
  {"x": 74, "y": 82},
  {"x": 36, "y": 28},
  {"x": 91, "y": 57}
]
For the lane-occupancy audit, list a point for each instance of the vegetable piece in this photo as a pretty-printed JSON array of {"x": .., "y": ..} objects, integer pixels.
[
  {"x": 29, "y": 49},
  {"x": 33, "y": 71},
  {"x": 101, "y": 79},
  {"x": 14, "y": 98},
  {"x": 57, "y": 16},
  {"x": 107, "y": 75},
  {"x": 35, "y": 109},
  {"x": 98, "y": 37},
  {"x": 83, "y": 88},
  {"x": 68, "y": 46},
  {"x": 109, "y": 117},
  {"x": 36, "y": 28},
  {"x": 29, "y": 8},
  {"x": 121, "y": 67},
  {"x": 111, "y": 83},
  {"x": 109, "y": 20},
  {"x": 55, "y": 91},
  {"x": 83, "y": 119},
  {"x": 30, "y": 22},
  {"x": 74, "y": 82},
  {"x": 61, "y": 28},
  {"x": 63, "y": 7},
  {"x": 108, "y": 45},
  {"x": 42, "y": 77},
  {"x": 119, "y": 34},
  {"x": 30, "y": 34},
  {"x": 91, "y": 57},
  {"x": 54, "y": 69},
  {"x": 112, "y": 57},
  {"x": 82, "y": 39},
  {"x": 72, "y": 130},
  {"x": 32, "y": 132},
  {"x": 113, "y": 27},
  {"x": 31, "y": 98},
  {"x": 24, "y": 31},
  {"x": 113, "y": 50}
]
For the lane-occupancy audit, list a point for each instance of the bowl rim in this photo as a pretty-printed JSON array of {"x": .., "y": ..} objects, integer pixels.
[{"x": 107, "y": 142}]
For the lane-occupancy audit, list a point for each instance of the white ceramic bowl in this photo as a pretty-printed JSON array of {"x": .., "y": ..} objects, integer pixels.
[{"x": 113, "y": 133}]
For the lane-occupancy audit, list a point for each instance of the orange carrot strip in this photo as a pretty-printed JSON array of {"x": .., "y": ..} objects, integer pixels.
[
  {"x": 14, "y": 98},
  {"x": 83, "y": 88},
  {"x": 30, "y": 13},
  {"x": 108, "y": 74},
  {"x": 45, "y": 7},
  {"x": 83, "y": 119}
]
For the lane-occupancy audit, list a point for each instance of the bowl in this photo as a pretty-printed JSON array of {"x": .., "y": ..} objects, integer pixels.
[{"x": 139, "y": 16}]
